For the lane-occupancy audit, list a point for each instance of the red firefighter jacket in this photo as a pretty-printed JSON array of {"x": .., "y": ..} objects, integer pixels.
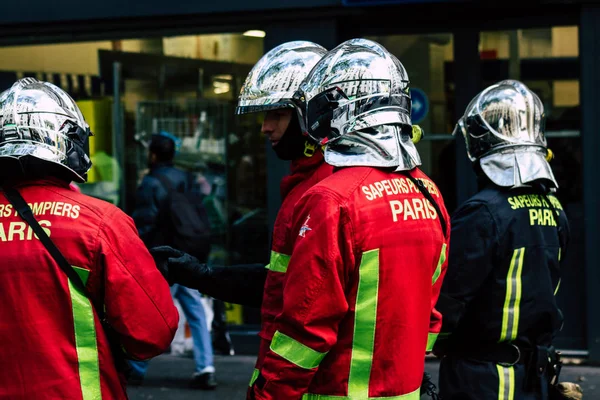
[
  {"x": 366, "y": 270},
  {"x": 52, "y": 345},
  {"x": 305, "y": 173}
]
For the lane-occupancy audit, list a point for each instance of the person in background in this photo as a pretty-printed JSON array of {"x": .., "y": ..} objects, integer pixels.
[{"x": 153, "y": 220}]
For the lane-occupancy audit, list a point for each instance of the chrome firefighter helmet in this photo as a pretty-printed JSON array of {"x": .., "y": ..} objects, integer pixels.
[
  {"x": 356, "y": 100},
  {"x": 41, "y": 121},
  {"x": 276, "y": 76},
  {"x": 503, "y": 127}
]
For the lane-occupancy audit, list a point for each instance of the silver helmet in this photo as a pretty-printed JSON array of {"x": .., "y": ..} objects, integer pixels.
[
  {"x": 356, "y": 100},
  {"x": 503, "y": 127},
  {"x": 276, "y": 76},
  {"x": 40, "y": 120}
]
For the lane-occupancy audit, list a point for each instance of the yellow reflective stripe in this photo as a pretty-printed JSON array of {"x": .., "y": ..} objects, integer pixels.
[
  {"x": 279, "y": 262},
  {"x": 364, "y": 336},
  {"x": 559, "y": 253},
  {"x": 557, "y": 286},
  {"x": 500, "y": 382},
  {"x": 364, "y": 326},
  {"x": 512, "y": 301},
  {"x": 431, "y": 338},
  {"x": 295, "y": 352},
  {"x": 255, "y": 374},
  {"x": 441, "y": 261},
  {"x": 507, "y": 298},
  {"x": 511, "y": 383},
  {"x": 506, "y": 382},
  {"x": 85, "y": 340},
  {"x": 518, "y": 295},
  {"x": 416, "y": 395},
  {"x": 559, "y": 279}
]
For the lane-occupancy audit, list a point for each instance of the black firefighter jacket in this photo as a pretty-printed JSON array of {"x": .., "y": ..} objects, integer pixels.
[{"x": 504, "y": 269}]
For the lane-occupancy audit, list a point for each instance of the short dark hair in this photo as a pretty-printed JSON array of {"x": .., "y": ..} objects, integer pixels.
[{"x": 163, "y": 147}]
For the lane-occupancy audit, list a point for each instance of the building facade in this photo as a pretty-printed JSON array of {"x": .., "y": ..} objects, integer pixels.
[{"x": 178, "y": 66}]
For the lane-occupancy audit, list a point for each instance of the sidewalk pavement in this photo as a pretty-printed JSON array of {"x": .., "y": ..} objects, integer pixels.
[{"x": 168, "y": 378}]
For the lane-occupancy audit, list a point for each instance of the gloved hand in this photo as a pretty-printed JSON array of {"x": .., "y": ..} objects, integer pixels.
[
  {"x": 161, "y": 257},
  {"x": 567, "y": 391},
  {"x": 177, "y": 266},
  {"x": 239, "y": 284}
]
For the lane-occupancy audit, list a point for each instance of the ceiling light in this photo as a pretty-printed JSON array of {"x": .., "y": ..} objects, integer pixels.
[
  {"x": 221, "y": 87},
  {"x": 223, "y": 77},
  {"x": 255, "y": 33}
]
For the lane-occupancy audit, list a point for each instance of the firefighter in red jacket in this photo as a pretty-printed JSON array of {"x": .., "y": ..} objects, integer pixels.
[
  {"x": 268, "y": 88},
  {"x": 276, "y": 77},
  {"x": 52, "y": 343},
  {"x": 370, "y": 242}
]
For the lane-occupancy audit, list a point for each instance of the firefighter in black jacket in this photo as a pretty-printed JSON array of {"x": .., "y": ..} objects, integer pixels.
[{"x": 499, "y": 311}]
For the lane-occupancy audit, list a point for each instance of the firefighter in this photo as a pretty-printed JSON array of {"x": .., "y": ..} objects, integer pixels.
[
  {"x": 370, "y": 242},
  {"x": 498, "y": 298},
  {"x": 268, "y": 89},
  {"x": 52, "y": 342}
]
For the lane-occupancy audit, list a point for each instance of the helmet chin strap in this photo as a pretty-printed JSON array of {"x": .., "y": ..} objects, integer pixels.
[
  {"x": 309, "y": 148},
  {"x": 417, "y": 134}
]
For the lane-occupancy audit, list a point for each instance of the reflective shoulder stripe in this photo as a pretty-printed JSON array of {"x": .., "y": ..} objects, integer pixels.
[
  {"x": 85, "y": 341},
  {"x": 255, "y": 374},
  {"x": 416, "y": 395},
  {"x": 512, "y": 301},
  {"x": 364, "y": 325},
  {"x": 295, "y": 352},
  {"x": 279, "y": 262},
  {"x": 506, "y": 382},
  {"x": 431, "y": 338},
  {"x": 441, "y": 260}
]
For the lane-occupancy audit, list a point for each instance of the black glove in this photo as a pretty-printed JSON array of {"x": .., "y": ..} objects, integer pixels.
[
  {"x": 161, "y": 257},
  {"x": 173, "y": 264},
  {"x": 240, "y": 284}
]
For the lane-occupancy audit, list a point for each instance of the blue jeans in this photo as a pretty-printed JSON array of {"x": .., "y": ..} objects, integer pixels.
[{"x": 191, "y": 304}]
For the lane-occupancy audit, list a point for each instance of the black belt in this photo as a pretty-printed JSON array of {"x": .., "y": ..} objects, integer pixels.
[
  {"x": 539, "y": 361},
  {"x": 506, "y": 354}
]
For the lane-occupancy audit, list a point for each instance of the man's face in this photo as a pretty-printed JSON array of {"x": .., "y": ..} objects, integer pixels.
[{"x": 276, "y": 123}]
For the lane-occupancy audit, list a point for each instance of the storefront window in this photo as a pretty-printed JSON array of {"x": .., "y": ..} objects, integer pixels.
[
  {"x": 186, "y": 86},
  {"x": 425, "y": 58}
]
